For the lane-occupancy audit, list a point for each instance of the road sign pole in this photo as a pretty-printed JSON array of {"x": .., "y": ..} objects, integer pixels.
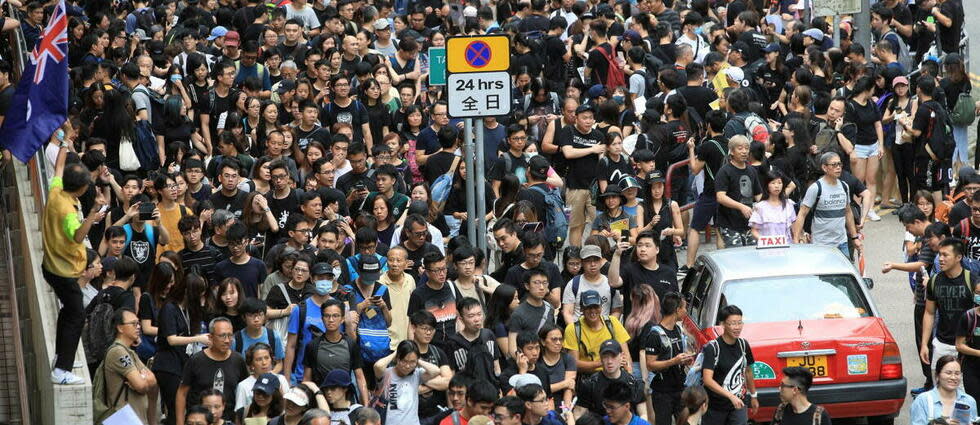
[
  {"x": 481, "y": 187},
  {"x": 863, "y": 21},
  {"x": 806, "y": 13},
  {"x": 836, "y": 31},
  {"x": 470, "y": 179}
]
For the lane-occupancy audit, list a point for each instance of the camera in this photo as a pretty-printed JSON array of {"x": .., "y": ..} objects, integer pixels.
[{"x": 146, "y": 211}]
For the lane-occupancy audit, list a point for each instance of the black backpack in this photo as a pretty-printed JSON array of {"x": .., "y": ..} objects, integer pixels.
[
  {"x": 98, "y": 332},
  {"x": 649, "y": 82},
  {"x": 479, "y": 364},
  {"x": 145, "y": 19},
  {"x": 157, "y": 103},
  {"x": 939, "y": 135}
]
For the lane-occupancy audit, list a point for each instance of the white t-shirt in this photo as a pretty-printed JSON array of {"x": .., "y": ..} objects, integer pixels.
[
  {"x": 243, "y": 393},
  {"x": 306, "y": 15},
  {"x": 403, "y": 397},
  {"x": 601, "y": 286}
]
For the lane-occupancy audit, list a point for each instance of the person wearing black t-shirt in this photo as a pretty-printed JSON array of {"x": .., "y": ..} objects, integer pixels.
[
  {"x": 345, "y": 109},
  {"x": 737, "y": 187},
  {"x": 535, "y": 250},
  {"x": 708, "y": 155},
  {"x": 949, "y": 294},
  {"x": 359, "y": 181},
  {"x": 795, "y": 407},
  {"x": 442, "y": 161},
  {"x": 437, "y": 296},
  {"x": 666, "y": 357},
  {"x": 727, "y": 371},
  {"x": 250, "y": 271},
  {"x": 229, "y": 198},
  {"x": 646, "y": 271},
  {"x": 581, "y": 146},
  {"x": 596, "y": 65},
  {"x": 308, "y": 130},
  {"x": 513, "y": 161}
]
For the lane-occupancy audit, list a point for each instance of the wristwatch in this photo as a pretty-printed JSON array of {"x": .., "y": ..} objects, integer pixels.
[
  {"x": 266, "y": 209},
  {"x": 754, "y": 395}
]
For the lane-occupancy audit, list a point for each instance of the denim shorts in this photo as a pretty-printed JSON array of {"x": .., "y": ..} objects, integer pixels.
[{"x": 866, "y": 151}]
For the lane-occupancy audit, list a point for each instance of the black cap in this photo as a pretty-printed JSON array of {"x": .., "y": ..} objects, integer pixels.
[
  {"x": 610, "y": 346},
  {"x": 740, "y": 46},
  {"x": 369, "y": 269},
  {"x": 538, "y": 167},
  {"x": 285, "y": 86},
  {"x": 583, "y": 108},
  {"x": 656, "y": 176},
  {"x": 320, "y": 269}
]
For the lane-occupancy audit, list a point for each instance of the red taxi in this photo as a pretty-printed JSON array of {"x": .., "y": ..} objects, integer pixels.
[{"x": 807, "y": 306}]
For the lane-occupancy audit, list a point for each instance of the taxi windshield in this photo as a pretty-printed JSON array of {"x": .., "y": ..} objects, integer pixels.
[{"x": 797, "y": 297}]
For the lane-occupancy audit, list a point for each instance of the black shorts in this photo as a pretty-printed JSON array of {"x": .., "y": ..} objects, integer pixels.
[
  {"x": 704, "y": 211},
  {"x": 928, "y": 175}
]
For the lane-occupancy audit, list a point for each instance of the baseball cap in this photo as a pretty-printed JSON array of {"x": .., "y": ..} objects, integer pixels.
[
  {"x": 538, "y": 167},
  {"x": 381, "y": 24},
  {"x": 218, "y": 31},
  {"x": 610, "y": 346},
  {"x": 901, "y": 79},
  {"x": 321, "y": 269},
  {"x": 629, "y": 182},
  {"x": 232, "y": 39},
  {"x": 596, "y": 91},
  {"x": 814, "y": 33},
  {"x": 656, "y": 176},
  {"x": 591, "y": 297},
  {"x": 740, "y": 46},
  {"x": 771, "y": 47},
  {"x": 519, "y": 380},
  {"x": 155, "y": 48},
  {"x": 469, "y": 12},
  {"x": 336, "y": 378},
  {"x": 370, "y": 268},
  {"x": 589, "y": 251},
  {"x": 735, "y": 73},
  {"x": 587, "y": 15},
  {"x": 266, "y": 383},
  {"x": 633, "y": 36},
  {"x": 297, "y": 396},
  {"x": 141, "y": 33},
  {"x": 285, "y": 86},
  {"x": 583, "y": 108}
]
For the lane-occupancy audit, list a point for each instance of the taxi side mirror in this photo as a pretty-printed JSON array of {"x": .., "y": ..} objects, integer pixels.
[{"x": 868, "y": 282}]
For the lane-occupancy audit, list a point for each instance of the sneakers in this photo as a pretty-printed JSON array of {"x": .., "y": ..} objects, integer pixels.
[
  {"x": 62, "y": 377},
  {"x": 873, "y": 216},
  {"x": 683, "y": 269}
]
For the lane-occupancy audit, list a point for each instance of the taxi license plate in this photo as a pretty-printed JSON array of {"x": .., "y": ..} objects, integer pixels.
[{"x": 816, "y": 364}]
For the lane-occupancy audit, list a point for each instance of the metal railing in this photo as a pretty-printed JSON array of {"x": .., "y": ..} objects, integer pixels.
[{"x": 670, "y": 177}]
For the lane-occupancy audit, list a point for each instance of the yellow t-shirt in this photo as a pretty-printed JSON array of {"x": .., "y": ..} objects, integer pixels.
[
  {"x": 399, "y": 294},
  {"x": 62, "y": 217},
  {"x": 592, "y": 339},
  {"x": 169, "y": 220}
]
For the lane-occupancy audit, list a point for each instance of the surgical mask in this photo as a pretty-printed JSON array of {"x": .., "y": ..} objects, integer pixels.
[
  {"x": 323, "y": 287},
  {"x": 698, "y": 30},
  {"x": 175, "y": 77},
  {"x": 336, "y": 271},
  {"x": 531, "y": 154},
  {"x": 976, "y": 299},
  {"x": 619, "y": 99}
]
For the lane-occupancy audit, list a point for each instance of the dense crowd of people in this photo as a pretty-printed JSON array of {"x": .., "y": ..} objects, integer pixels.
[{"x": 258, "y": 213}]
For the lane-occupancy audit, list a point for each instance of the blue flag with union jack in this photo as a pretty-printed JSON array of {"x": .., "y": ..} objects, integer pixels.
[{"x": 40, "y": 103}]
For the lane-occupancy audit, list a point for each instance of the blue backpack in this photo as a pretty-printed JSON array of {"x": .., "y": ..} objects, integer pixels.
[
  {"x": 557, "y": 224},
  {"x": 372, "y": 332}
]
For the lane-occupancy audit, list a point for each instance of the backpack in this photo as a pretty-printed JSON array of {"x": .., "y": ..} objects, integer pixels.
[
  {"x": 441, "y": 187},
  {"x": 614, "y": 74},
  {"x": 98, "y": 333},
  {"x": 943, "y": 208},
  {"x": 777, "y": 418},
  {"x": 147, "y": 230},
  {"x": 479, "y": 364},
  {"x": 724, "y": 155},
  {"x": 695, "y": 377},
  {"x": 756, "y": 128},
  {"x": 904, "y": 57},
  {"x": 971, "y": 318},
  {"x": 101, "y": 408},
  {"x": 665, "y": 342},
  {"x": 650, "y": 86},
  {"x": 939, "y": 135},
  {"x": 145, "y": 145},
  {"x": 372, "y": 332},
  {"x": 557, "y": 224},
  {"x": 145, "y": 19},
  {"x": 578, "y": 334},
  {"x": 157, "y": 103},
  {"x": 964, "y": 111},
  {"x": 240, "y": 341}
]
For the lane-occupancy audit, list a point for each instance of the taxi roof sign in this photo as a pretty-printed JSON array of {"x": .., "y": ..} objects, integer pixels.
[
  {"x": 772, "y": 242},
  {"x": 485, "y": 53}
]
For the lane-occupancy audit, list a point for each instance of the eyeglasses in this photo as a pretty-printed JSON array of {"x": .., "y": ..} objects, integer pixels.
[
  {"x": 333, "y": 316},
  {"x": 420, "y": 234},
  {"x": 539, "y": 282},
  {"x": 781, "y": 386},
  {"x": 834, "y": 164},
  {"x": 519, "y": 138},
  {"x": 223, "y": 336},
  {"x": 133, "y": 323},
  {"x": 439, "y": 270},
  {"x": 300, "y": 270},
  {"x": 425, "y": 329},
  {"x": 610, "y": 406},
  {"x": 279, "y": 176}
]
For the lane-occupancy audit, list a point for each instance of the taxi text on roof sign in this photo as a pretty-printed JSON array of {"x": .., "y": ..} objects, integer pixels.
[
  {"x": 772, "y": 242},
  {"x": 478, "y": 54}
]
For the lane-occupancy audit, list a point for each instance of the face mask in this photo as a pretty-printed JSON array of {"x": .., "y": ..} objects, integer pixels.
[
  {"x": 323, "y": 287},
  {"x": 619, "y": 99},
  {"x": 976, "y": 299},
  {"x": 336, "y": 271},
  {"x": 531, "y": 154},
  {"x": 175, "y": 77},
  {"x": 697, "y": 30}
]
